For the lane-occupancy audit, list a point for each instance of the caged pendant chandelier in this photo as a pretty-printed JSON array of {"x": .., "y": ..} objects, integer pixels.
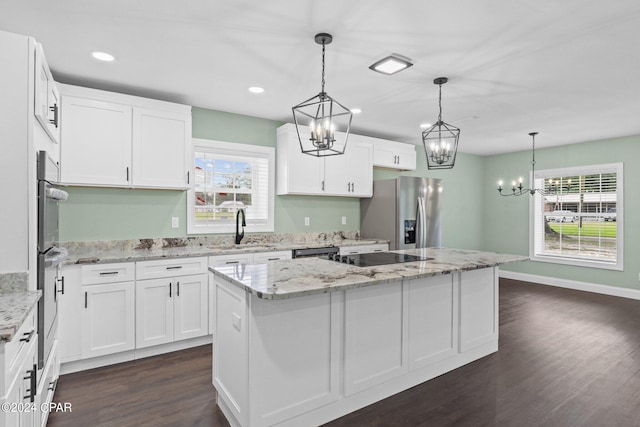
[
  {"x": 441, "y": 140},
  {"x": 324, "y": 116}
]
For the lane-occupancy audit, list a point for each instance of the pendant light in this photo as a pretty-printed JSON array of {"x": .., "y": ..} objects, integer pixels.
[
  {"x": 519, "y": 190},
  {"x": 322, "y": 123},
  {"x": 441, "y": 140}
]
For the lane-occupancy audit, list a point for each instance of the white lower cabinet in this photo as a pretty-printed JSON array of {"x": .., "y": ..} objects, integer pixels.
[
  {"x": 18, "y": 368},
  {"x": 171, "y": 307},
  {"x": 70, "y": 306},
  {"x": 108, "y": 319}
]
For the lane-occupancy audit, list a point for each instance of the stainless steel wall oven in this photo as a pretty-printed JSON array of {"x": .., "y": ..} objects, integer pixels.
[{"x": 50, "y": 254}]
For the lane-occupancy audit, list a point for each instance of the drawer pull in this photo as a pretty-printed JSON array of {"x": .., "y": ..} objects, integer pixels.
[
  {"x": 273, "y": 259},
  {"x": 108, "y": 273},
  {"x": 26, "y": 337},
  {"x": 177, "y": 267},
  {"x": 233, "y": 262}
]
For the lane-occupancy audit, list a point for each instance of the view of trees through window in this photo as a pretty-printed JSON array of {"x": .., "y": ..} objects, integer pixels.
[
  {"x": 222, "y": 186},
  {"x": 577, "y": 216}
]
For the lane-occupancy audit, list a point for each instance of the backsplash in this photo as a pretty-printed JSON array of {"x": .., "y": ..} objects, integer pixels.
[
  {"x": 331, "y": 238},
  {"x": 11, "y": 283}
]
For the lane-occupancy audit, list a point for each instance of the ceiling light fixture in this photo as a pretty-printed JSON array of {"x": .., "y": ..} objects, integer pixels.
[
  {"x": 103, "y": 56},
  {"x": 519, "y": 190},
  {"x": 324, "y": 116},
  {"x": 441, "y": 139},
  {"x": 256, "y": 89},
  {"x": 391, "y": 64}
]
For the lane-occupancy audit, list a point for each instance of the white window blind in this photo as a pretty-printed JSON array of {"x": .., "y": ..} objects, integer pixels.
[
  {"x": 579, "y": 219},
  {"x": 229, "y": 177}
]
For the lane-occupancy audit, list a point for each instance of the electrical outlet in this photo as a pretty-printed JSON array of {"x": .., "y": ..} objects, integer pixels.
[
  {"x": 306, "y": 220},
  {"x": 175, "y": 222},
  {"x": 344, "y": 220}
]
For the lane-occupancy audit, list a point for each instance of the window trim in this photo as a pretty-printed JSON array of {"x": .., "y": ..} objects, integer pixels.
[
  {"x": 581, "y": 170},
  {"x": 234, "y": 149}
]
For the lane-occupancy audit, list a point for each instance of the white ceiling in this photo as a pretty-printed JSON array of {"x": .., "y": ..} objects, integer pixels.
[{"x": 568, "y": 69}]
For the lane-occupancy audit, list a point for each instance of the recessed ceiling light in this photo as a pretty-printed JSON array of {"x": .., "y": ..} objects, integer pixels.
[
  {"x": 256, "y": 89},
  {"x": 103, "y": 56},
  {"x": 391, "y": 64},
  {"x": 425, "y": 125},
  {"x": 356, "y": 110}
]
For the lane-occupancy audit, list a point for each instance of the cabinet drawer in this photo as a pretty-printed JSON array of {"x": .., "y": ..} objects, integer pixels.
[
  {"x": 170, "y": 267},
  {"x": 219, "y": 260},
  {"x": 264, "y": 257},
  {"x": 364, "y": 249},
  {"x": 108, "y": 273},
  {"x": 15, "y": 350}
]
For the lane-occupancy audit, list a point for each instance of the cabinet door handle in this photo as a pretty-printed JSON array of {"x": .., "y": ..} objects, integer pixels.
[
  {"x": 169, "y": 289},
  {"x": 398, "y": 161},
  {"x": 32, "y": 383},
  {"x": 175, "y": 267},
  {"x": 85, "y": 300},
  {"x": 188, "y": 176},
  {"x": 178, "y": 289},
  {"x": 26, "y": 337},
  {"x": 323, "y": 185},
  {"x": 232, "y": 262},
  {"x": 55, "y": 115},
  {"x": 348, "y": 186},
  {"x": 61, "y": 280},
  {"x": 127, "y": 173}
]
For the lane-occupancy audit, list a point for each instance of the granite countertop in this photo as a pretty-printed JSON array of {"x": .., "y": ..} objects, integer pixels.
[
  {"x": 89, "y": 253},
  {"x": 15, "y": 303},
  {"x": 307, "y": 276}
]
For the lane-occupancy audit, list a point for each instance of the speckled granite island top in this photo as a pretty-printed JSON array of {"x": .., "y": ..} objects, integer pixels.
[
  {"x": 307, "y": 276},
  {"x": 15, "y": 303}
]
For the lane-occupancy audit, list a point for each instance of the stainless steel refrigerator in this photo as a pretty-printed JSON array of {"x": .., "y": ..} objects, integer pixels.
[{"x": 405, "y": 211}]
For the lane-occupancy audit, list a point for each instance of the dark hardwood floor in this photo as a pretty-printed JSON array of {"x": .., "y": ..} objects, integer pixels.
[{"x": 566, "y": 358}]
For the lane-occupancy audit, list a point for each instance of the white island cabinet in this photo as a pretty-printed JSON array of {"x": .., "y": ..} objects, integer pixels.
[{"x": 305, "y": 341}]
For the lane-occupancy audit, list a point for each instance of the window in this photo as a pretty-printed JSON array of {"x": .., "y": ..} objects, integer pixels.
[
  {"x": 229, "y": 177},
  {"x": 579, "y": 219}
]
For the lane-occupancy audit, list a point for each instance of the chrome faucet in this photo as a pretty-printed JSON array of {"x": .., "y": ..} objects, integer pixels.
[{"x": 240, "y": 236}]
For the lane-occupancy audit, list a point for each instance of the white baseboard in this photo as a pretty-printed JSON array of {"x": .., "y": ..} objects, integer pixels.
[
  {"x": 127, "y": 356},
  {"x": 573, "y": 284}
]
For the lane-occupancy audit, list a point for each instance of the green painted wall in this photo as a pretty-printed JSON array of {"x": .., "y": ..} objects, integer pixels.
[
  {"x": 506, "y": 219},
  {"x": 463, "y": 204}
]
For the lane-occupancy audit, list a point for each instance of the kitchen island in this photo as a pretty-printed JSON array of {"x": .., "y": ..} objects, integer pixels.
[{"x": 305, "y": 341}]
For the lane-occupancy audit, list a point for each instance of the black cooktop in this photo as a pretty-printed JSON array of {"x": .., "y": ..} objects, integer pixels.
[{"x": 375, "y": 258}]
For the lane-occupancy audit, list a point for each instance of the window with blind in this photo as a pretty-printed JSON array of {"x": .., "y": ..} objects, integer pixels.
[
  {"x": 228, "y": 177},
  {"x": 579, "y": 219}
]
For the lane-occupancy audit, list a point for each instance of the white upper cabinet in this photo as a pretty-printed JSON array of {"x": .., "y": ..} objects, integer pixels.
[
  {"x": 47, "y": 97},
  {"x": 349, "y": 174},
  {"x": 160, "y": 148},
  {"x": 393, "y": 155},
  {"x": 297, "y": 173},
  {"x": 116, "y": 140},
  {"x": 96, "y": 143}
]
